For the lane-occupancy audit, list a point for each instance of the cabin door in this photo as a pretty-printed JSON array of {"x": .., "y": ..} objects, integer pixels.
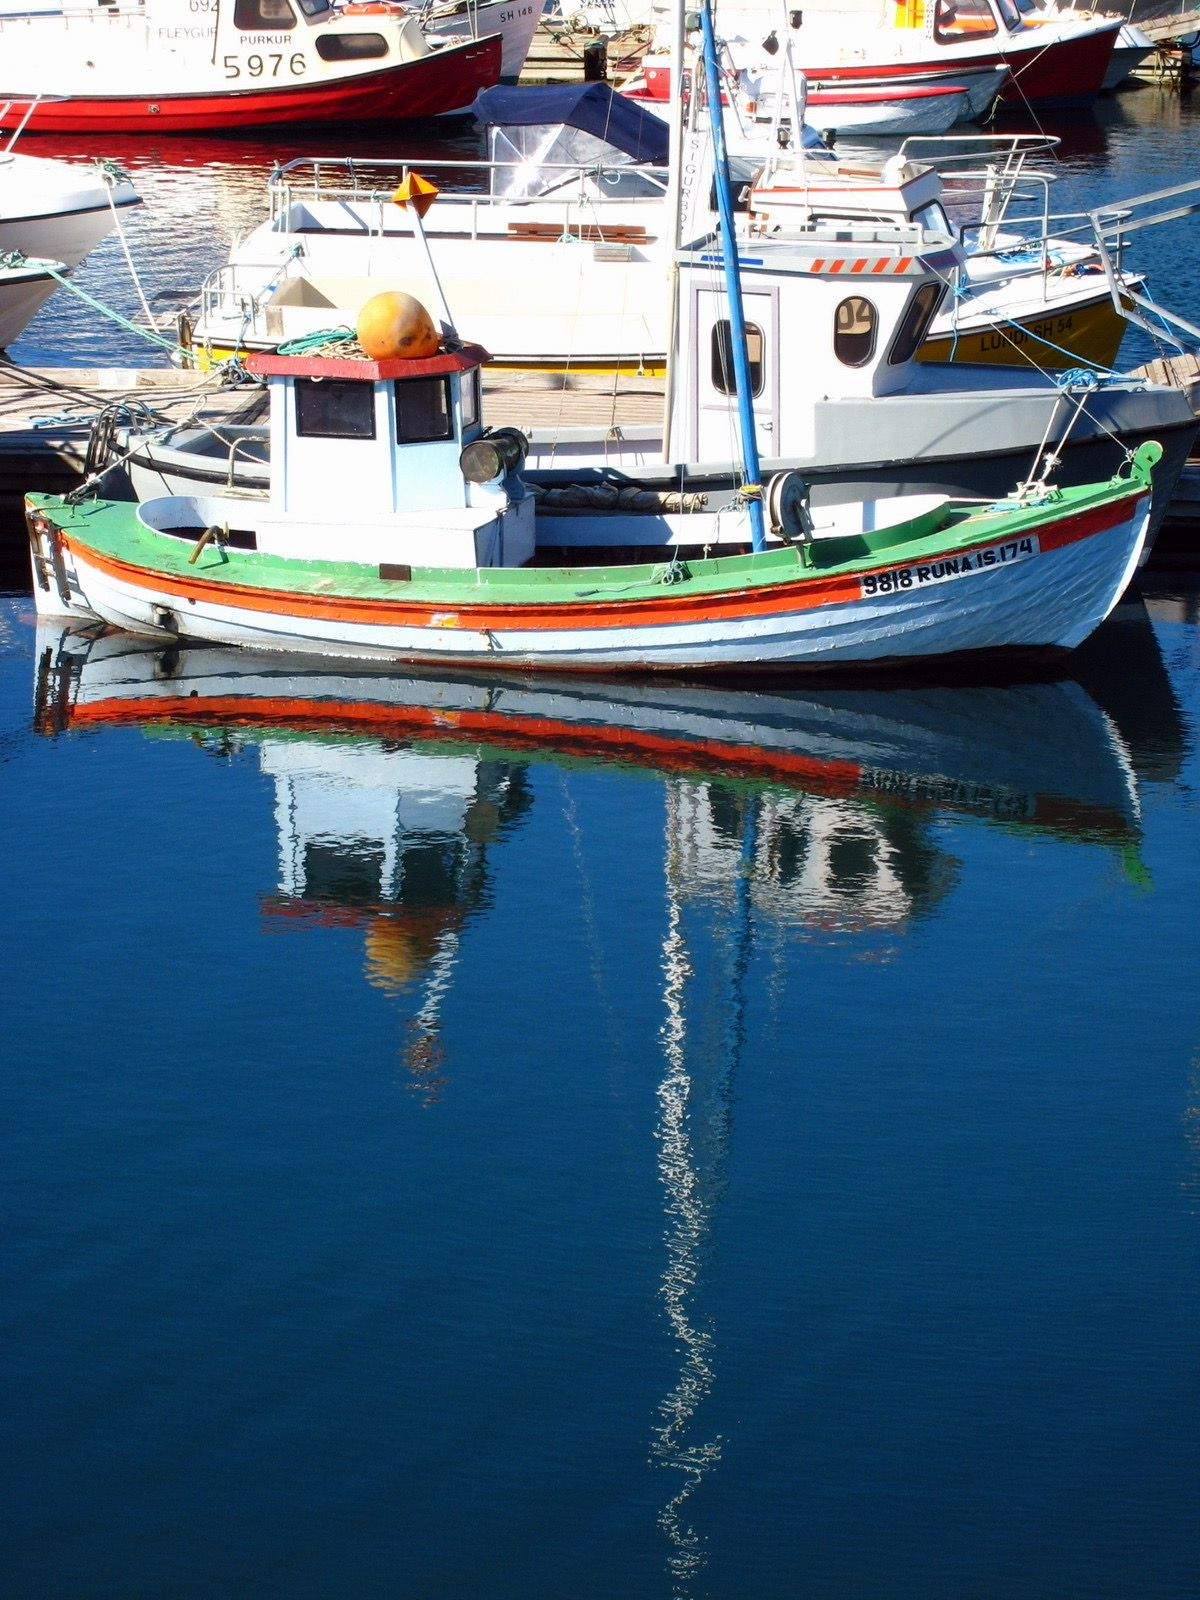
[{"x": 714, "y": 410}]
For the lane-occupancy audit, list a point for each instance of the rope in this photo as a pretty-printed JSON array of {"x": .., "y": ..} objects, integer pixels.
[
  {"x": 16, "y": 258},
  {"x": 112, "y": 174},
  {"x": 312, "y": 344}
]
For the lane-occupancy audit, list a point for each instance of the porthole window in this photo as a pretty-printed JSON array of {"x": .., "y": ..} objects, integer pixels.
[
  {"x": 335, "y": 408},
  {"x": 723, "y": 378},
  {"x": 423, "y": 410},
  {"x": 915, "y": 323},
  {"x": 255, "y": 15},
  {"x": 957, "y": 20},
  {"x": 351, "y": 46},
  {"x": 854, "y": 325}
]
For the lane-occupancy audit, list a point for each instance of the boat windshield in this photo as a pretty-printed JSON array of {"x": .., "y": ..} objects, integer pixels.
[
  {"x": 538, "y": 158},
  {"x": 956, "y": 21}
]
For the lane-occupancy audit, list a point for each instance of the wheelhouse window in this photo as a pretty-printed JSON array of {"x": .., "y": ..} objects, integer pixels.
[
  {"x": 915, "y": 323},
  {"x": 351, "y": 46},
  {"x": 723, "y": 378},
  {"x": 315, "y": 8},
  {"x": 855, "y": 323},
  {"x": 933, "y": 216},
  {"x": 335, "y": 408},
  {"x": 254, "y": 16},
  {"x": 423, "y": 410},
  {"x": 956, "y": 20},
  {"x": 469, "y": 391}
]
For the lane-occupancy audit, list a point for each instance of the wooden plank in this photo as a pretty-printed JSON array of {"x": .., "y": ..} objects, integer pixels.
[
  {"x": 591, "y": 233},
  {"x": 1163, "y": 29}
]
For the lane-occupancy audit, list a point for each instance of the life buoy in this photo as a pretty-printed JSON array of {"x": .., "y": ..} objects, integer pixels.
[{"x": 372, "y": 8}]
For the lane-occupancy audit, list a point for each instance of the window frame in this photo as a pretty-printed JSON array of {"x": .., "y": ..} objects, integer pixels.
[
  {"x": 260, "y": 24},
  {"x": 721, "y": 348},
  {"x": 914, "y": 324},
  {"x": 944, "y": 33},
  {"x": 863, "y": 360},
  {"x": 398, "y": 385},
  {"x": 311, "y": 386},
  {"x": 337, "y": 47},
  {"x": 470, "y": 400}
]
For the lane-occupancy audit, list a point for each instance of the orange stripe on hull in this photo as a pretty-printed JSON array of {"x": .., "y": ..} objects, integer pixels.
[{"x": 776, "y": 599}]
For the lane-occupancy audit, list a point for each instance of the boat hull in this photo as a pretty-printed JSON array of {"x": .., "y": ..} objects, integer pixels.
[
  {"x": 1066, "y": 73},
  {"x": 1090, "y": 330},
  {"x": 1043, "y": 587},
  {"x": 435, "y": 85},
  {"x": 515, "y": 21},
  {"x": 23, "y": 293}
]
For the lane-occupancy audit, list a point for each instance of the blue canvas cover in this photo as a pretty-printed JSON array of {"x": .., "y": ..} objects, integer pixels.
[{"x": 593, "y": 108}]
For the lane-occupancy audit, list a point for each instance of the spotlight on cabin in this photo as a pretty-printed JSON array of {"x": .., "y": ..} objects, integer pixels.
[{"x": 494, "y": 456}]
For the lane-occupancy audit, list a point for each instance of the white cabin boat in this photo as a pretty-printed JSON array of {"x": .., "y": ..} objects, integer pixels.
[{"x": 171, "y": 66}]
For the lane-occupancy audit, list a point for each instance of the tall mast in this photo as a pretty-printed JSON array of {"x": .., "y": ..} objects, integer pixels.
[
  {"x": 752, "y": 485},
  {"x": 674, "y": 208}
]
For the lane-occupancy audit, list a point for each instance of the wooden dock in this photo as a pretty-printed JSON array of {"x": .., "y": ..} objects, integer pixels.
[
  {"x": 561, "y": 54},
  {"x": 1177, "y": 26},
  {"x": 47, "y": 415}
]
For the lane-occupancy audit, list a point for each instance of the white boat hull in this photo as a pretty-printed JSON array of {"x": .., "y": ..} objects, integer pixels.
[
  {"x": 1023, "y": 595},
  {"x": 514, "y": 20},
  {"x": 930, "y": 114},
  {"x": 22, "y": 296}
]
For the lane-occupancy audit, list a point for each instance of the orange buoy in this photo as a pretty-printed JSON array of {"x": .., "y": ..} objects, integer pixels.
[{"x": 395, "y": 325}]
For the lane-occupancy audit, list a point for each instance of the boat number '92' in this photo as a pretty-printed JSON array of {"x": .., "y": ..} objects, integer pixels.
[
  {"x": 995, "y": 555},
  {"x": 266, "y": 66}
]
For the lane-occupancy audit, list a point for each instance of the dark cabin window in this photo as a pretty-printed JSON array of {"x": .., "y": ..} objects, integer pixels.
[
  {"x": 314, "y": 8},
  {"x": 351, "y": 46},
  {"x": 423, "y": 410},
  {"x": 956, "y": 20},
  {"x": 915, "y": 323},
  {"x": 335, "y": 408},
  {"x": 723, "y": 379},
  {"x": 254, "y": 16},
  {"x": 854, "y": 325},
  {"x": 469, "y": 393}
]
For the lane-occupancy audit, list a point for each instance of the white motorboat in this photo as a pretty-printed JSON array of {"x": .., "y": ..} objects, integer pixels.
[
  {"x": 50, "y": 211},
  {"x": 564, "y": 266}
]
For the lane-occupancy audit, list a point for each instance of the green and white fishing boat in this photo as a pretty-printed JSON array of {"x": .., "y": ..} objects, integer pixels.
[{"x": 397, "y": 529}]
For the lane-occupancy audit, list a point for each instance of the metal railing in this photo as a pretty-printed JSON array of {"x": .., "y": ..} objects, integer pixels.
[{"x": 282, "y": 193}]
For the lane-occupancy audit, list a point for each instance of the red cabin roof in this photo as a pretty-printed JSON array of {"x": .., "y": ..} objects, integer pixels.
[{"x": 268, "y": 363}]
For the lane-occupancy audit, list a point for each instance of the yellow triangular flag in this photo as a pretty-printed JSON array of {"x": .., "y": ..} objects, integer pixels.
[{"x": 416, "y": 192}]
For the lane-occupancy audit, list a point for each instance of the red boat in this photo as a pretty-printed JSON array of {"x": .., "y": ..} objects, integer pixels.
[
  {"x": 252, "y": 64},
  {"x": 1059, "y": 65},
  {"x": 1063, "y": 72}
]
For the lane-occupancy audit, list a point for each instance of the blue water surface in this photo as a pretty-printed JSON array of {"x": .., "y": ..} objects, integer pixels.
[{"x": 579, "y": 1141}]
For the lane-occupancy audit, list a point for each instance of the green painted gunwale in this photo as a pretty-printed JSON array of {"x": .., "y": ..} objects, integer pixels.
[{"x": 111, "y": 528}]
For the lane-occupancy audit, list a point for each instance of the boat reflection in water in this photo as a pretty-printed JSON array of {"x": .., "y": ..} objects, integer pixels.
[{"x": 818, "y": 812}]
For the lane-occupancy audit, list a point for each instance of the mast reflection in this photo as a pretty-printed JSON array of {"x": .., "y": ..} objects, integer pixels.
[{"x": 818, "y": 812}]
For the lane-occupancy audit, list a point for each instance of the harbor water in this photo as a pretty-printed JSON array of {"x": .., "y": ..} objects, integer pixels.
[{"x": 528, "y": 1138}]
